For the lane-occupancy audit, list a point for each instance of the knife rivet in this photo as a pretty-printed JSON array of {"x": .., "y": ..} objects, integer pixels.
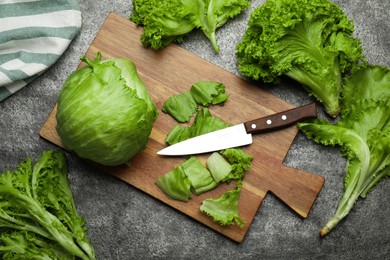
[
  {"x": 253, "y": 126},
  {"x": 269, "y": 121},
  {"x": 284, "y": 117}
]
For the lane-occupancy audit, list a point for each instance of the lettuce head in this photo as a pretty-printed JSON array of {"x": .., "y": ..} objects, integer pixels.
[{"x": 105, "y": 113}]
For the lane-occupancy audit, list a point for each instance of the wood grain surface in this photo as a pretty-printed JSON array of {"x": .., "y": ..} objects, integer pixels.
[{"x": 174, "y": 70}]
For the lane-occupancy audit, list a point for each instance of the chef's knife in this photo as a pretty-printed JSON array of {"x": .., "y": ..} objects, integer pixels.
[{"x": 241, "y": 134}]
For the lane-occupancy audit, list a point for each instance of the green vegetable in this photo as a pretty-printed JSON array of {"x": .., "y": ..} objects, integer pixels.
[
  {"x": 175, "y": 184},
  {"x": 200, "y": 178},
  {"x": 181, "y": 107},
  {"x": 224, "y": 209},
  {"x": 240, "y": 162},
  {"x": 169, "y": 21},
  {"x": 218, "y": 166},
  {"x": 363, "y": 134},
  {"x": 308, "y": 41},
  {"x": 203, "y": 123},
  {"x": 208, "y": 93},
  {"x": 191, "y": 174},
  {"x": 105, "y": 113},
  {"x": 38, "y": 217}
]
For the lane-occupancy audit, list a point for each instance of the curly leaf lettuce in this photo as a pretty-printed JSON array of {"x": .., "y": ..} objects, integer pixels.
[
  {"x": 224, "y": 210},
  {"x": 363, "y": 134},
  {"x": 38, "y": 214},
  {"x": 169, "y": 21},
  {"x": 308, "y": 41}
]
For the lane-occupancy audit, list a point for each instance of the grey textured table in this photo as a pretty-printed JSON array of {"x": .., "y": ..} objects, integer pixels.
[{"x": 125, "y": 223}]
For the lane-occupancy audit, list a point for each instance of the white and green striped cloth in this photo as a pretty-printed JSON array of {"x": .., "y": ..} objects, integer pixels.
[{"x": 33, "y": 36}]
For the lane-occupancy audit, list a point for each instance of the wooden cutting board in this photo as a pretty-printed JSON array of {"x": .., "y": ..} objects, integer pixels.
[{"x": 174, "y": 70}]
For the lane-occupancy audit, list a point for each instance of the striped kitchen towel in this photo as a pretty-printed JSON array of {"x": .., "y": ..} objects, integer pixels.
[{"x": 33, "y": 36}]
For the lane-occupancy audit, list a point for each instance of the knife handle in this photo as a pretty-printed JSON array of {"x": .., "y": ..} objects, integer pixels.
[{"x": 281, "y": 120}]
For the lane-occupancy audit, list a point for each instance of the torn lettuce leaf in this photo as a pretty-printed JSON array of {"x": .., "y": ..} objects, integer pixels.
[
  {"x": 208, "y": 93},
  {"x": 205, "y": 93},
  {"x": 218, "y": 166},
  {"x": 175, "y": 184},
  {"x": 240, "y": 162},
  {"x": 181, "y": 107},
  {"x": 224, "y": 210},
  {"x": 200, "y": 178},
  {"x": 189, "y": 176},
  {"x": 203, "y": 123}
]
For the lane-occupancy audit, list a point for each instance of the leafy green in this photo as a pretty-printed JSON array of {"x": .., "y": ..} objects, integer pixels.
[
  {"x": 218, "y": 166},
  {"x": 200, "y": 178},
  {"x": 190, "y": 175},
  {"x": 240, "y": 162},
  {"x": 181, "y": 106},
  {"x": 208, "y": 93},
  {"x": 224, "y": 210},
  {"x": 363, "y": 134},
  {"x": 309, "y": 41},
  {"x": 38, "y": 217},
  {"x": 175, "y": 184},
  {"x": 105, "y": 113},
  {"x": 168, "y": 21},
  {"x": 203, "y": 123}
]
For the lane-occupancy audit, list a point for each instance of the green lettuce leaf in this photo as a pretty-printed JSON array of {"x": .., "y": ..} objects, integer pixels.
[
  {"x": 181, "y": 107},
  {"x": 169, "y": 21},
  {"x": 218, "y": 166},
  {"x": 224, "y": 210},
  {"x": 308, "y": 41},
  {"x": 240, "y": 162},
  {"x": 200, "y": 178},
  {"x": 203, "y": 123},
  {"x": 37, "y": 211},
  {"x": 208, "y": 93},
  {"x": 362, "y": 133},
  {"x": 175, "y": 184}
]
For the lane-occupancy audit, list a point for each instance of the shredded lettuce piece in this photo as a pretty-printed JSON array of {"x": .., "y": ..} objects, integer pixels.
[
  {"x": 181, "y": 106},
  {"x": 175, "y": 184},
  {"x": 203, "y": 123},
  {"x": 362, "y": 133},
  {"x": 218, "y": 166},
  {"x": 224, "y": 210}
]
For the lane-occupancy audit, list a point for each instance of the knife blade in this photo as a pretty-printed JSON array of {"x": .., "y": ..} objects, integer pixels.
[{"x": 241, "y": 134}]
